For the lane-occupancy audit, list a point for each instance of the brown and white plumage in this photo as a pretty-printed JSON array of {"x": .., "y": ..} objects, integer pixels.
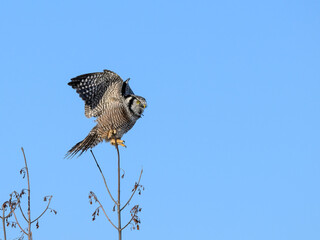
[{"x": 112, "y": 101}]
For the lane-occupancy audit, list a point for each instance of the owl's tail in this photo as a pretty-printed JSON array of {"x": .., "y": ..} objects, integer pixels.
[{"x": 89, "y": 142}]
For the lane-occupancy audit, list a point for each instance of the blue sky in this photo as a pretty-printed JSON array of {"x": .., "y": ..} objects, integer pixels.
[{"x": 229, "y": 142}]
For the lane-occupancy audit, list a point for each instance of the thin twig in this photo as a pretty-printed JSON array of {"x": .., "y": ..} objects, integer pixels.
[
  {"x": 14, "y": 214},
  {"x": 118, "y": 205},
  {"x": 136, "y": 187},
  {"x": 11, "y": 210},
  {"x": 129, "y": 222},
  {"x": 104, "y": 211},
  {"x": 23, "y": 214},
  {"x": 43, "y": 211},
  {"x": 105, "y": 182},
  {"x": 29, "y": 211},
  {"x": 3, "y": 223},
  {"x": 12, "y": 205}
]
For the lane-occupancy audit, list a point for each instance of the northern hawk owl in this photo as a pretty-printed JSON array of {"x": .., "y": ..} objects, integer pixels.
[{"x": 112, "y": 101}]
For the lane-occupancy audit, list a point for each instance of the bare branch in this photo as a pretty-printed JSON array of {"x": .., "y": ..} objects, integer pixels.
[
  {"x": 4, "y": 210},
  {"x": 3, "y": 222},
  {"x": 12, "y": 210},
  {"x": 14, "y": 214},
  {"x": 105, "y": 182},
  {"x": 128, "y": 222},
  {"x": 134, "y": 213},
  {"x": 134, "y": 217},
  {"x": 23, "y": 214},
  {"x": 44, "y": 210},
  {"x": 14, "y": 202},
  {"x": 118, "y": 205},
  {"x": 11, "y": 204},
  {"x": 135, "y": 189},
  {"x": 97, "y": 200},
  {"x": 29, "y": 204}
]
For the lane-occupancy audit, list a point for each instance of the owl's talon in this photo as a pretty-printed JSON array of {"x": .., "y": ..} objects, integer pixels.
[
  {"x": 112, "y": 133},
  {"x": 119, "y": 142}
]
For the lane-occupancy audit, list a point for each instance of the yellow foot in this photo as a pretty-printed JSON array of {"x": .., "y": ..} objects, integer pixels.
[
  {"x": 112, "y": 133},
  {"x": 119, "y": 142}
]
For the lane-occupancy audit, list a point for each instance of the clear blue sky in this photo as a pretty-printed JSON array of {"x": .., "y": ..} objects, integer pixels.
[{"x": 229, "y": 142}]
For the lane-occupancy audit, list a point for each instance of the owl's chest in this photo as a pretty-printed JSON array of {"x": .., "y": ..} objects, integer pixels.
[{"x": 116, "y": 119}]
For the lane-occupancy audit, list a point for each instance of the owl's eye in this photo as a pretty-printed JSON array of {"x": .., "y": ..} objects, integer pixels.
[{"x": 138, "y": 102}]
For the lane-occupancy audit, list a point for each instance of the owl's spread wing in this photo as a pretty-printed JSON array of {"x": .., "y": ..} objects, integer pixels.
[
  {"x": 126, "y": 90},
  {"x": 92, "y": 88}
]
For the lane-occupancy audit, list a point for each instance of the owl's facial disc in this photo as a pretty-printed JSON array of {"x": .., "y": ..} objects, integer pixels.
[{"x": 136, "y": 105}]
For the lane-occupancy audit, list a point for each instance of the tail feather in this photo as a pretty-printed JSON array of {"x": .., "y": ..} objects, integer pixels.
[{"x": 89, "y": 142}]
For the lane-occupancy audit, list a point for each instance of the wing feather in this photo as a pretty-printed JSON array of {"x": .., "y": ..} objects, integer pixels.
[{"x": 92, "y": 87}]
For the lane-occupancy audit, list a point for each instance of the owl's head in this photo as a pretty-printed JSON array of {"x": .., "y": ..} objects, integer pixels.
[{"x": 136, "y": 104}]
